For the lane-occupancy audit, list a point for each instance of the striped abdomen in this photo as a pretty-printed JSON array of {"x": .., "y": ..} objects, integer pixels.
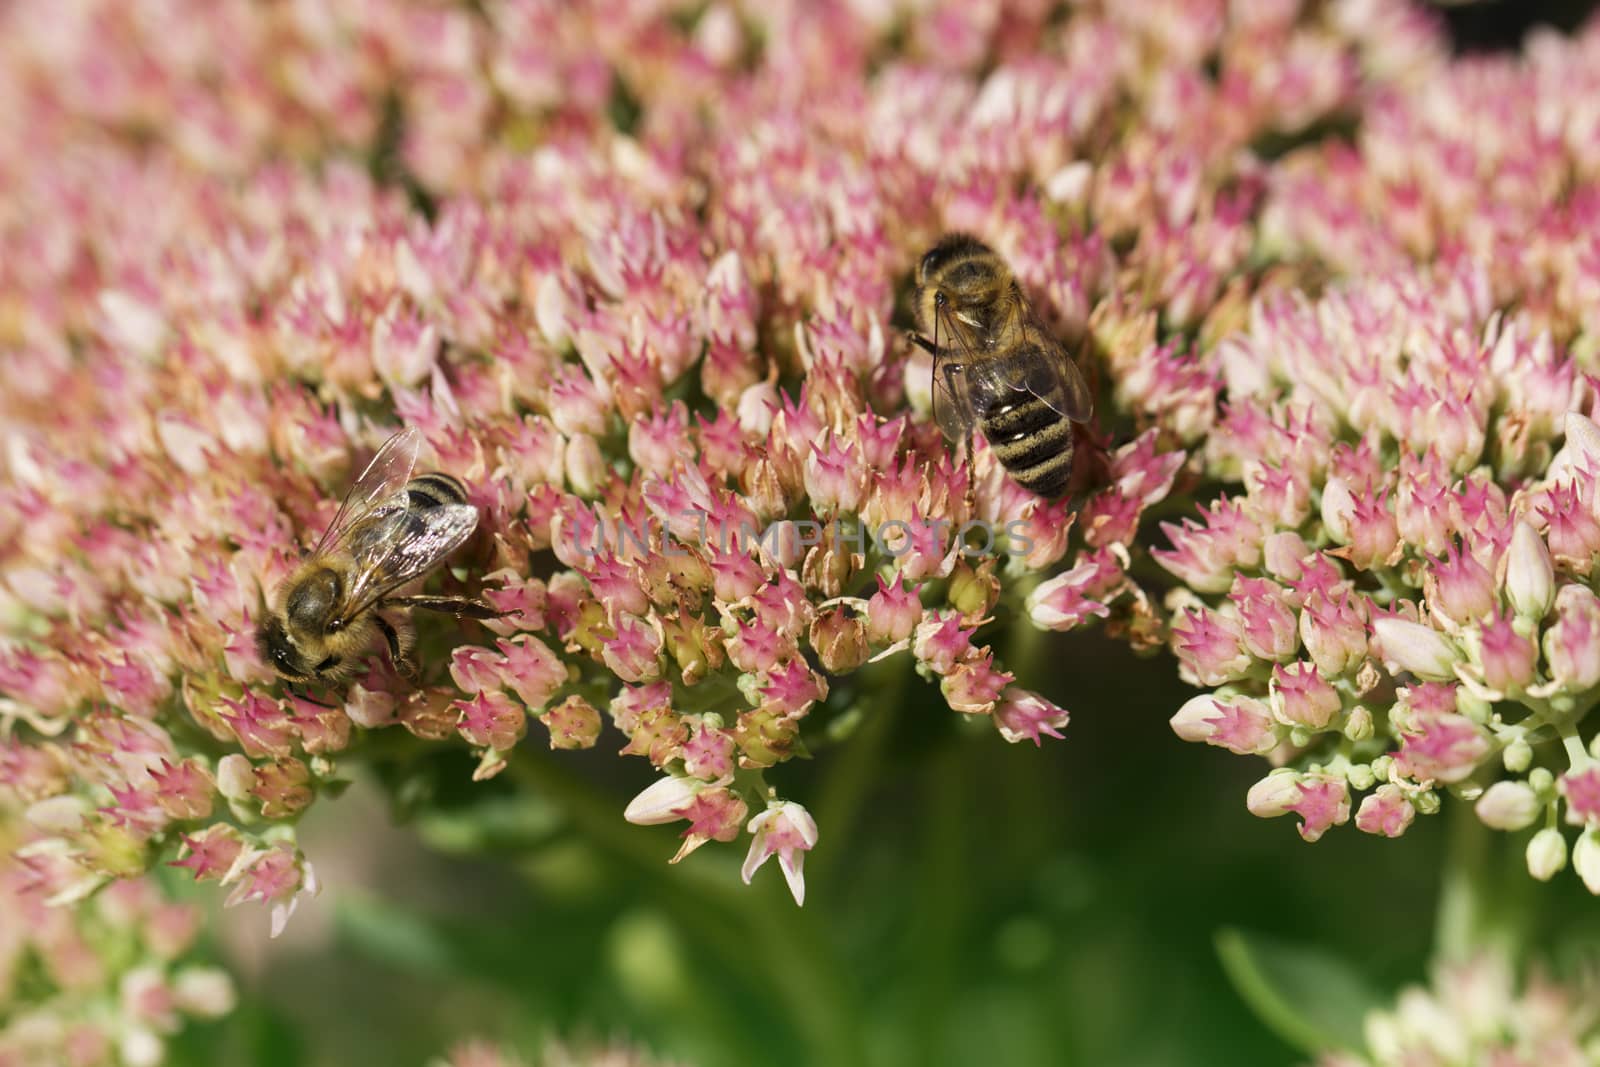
[
  {"x": 405, "y": 518},
  {"x": 435, "y": 490},
  {"x": 1032, "y": 441}
]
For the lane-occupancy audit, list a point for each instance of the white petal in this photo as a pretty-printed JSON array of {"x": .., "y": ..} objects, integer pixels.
[
  {"x": 755, "y": 857},
  {"x": 660, "y": 801},
  {"x": 793, "y": 863}
]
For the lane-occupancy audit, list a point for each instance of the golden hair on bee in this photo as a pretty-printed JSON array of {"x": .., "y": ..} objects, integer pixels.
[{"x": 392, "y": 529}]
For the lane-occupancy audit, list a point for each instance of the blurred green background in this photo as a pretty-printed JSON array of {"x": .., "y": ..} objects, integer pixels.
[{"x": 968, "y": 901}]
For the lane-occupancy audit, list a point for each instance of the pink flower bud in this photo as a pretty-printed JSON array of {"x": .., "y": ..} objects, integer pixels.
[
  {"x": 573, "y": 723},
  {"x": 973, "y": 686},
  {"x": 184, "y": 790},
  {"x": 1323, "y": 803},
  {"x": 941, "y": 643},
  {"x": 1572, "y": 530},
  {"x": 491, "y": 720},
  {"x": 1373, "y": 534},
  {"x": 586, "y": 468},
  {"x": 835, "y": 478},
  {"x": 791, "y": 688},
  {"x": 1581, "y": 451},
  {"x": 840, "y": 641},
  {"x": 1282, "y": 553},
  {"x": 1530, "y": 574},
  {"x": 1208, "y": 648},
  {"x": 1459, "y": 588},
  {"x": 734, "y": 576},
  {"x": 708, "y": 754},
  {"x": 1274, "y": 795},
  {"x": 577, "y": 404},
  {"x": 1062, "y": 603},
  {"x": 892, "y": 612},
  {"x": 1300, "y": 696},
  {"x": 1240, "y": 724},
  {"x": 530, "y": 670},
  {"x": 757, "y": 405},
  {"x": 1441, "y": 747},
  {"x": 715, "y": 814},
  {"x": 1385, "y": 811},
  {"x": 1508, "y": 659},
  {"x": 634, "y": 654},
  {"x": 474, "y": 668},
  {"x": 657, "y": 443},
  {"x": 1278, "y": 496},
  {"x": 1508, "y": 806},
  {"x": 656, "y": 734},
  {"x": 369, "y": 708},
  {"x": 1572, "y": 644},
  {"x": 1338, "y": 510},
  {"x": 1269, "y": 626},
  {"x": 1334, "y": 632},
  {"x": 1023, "y": 715},
  {"x": 1421, "y": 650},
  {"x": 1422, "y": 513},
  {"x": 1206, "y": 557},
  {"x": 211, "y": 853},
  {"x": 1581, "y": 788},
  {"x": 283, "y": 787},
  {"x": 754, "y": 646}
]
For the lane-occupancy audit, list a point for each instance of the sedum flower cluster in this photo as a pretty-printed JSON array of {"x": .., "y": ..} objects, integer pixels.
[
  {"x": 632, "y": 270},
  {"x": 1477, "y": 1012},
  {"x": 635, "y": 270},
  {"x": 108, "y": 982}
]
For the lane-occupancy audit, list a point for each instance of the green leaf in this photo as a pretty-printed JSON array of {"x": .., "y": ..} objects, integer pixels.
[
  {"x": 391, "y": 935},
  {"x": 1309, "y": 998}
]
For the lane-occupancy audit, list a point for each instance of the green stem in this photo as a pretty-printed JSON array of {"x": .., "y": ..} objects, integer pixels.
[
  {"x": 757, "y": 930},
  {"x": 1577, "y": 756},
  {"x": 1458, "y": 922},
  {"x": 855, "y": 768}
]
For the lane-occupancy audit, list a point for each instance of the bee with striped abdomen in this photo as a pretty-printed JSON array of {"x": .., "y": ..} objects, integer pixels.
[
  {"x": 996, "y": 368},
  {"x": 392, "y": 529}
]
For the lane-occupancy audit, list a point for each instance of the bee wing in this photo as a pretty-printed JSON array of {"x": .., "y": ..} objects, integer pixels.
[
  {"x": 1039, "y": 365},
  {"x": 953, "y": 361},
  {"x": 378, "y": 485},
  {"x": 400, "y": 542}
]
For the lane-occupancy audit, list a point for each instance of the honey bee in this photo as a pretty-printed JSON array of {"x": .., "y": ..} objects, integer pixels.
[
  {"x": 392, "y": 528},
  {"x": 995, "y": 366}
]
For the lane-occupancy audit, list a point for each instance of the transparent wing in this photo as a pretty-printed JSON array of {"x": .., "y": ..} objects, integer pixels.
[
  {"x": 397, "y": 544},
  {"x": 1038, "y": 364},
  {"x": 953, "y": 361},
  {"x": 384, "y": 477}
]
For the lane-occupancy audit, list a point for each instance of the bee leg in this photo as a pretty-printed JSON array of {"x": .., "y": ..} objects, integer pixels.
[
  {"x": 403, "y": 662},
  {"x": 308, "y": 698},
  {"x": 922, "y": 343},
  {"x": 458, "y": 606},
  {"x": 972, "y": 480}
]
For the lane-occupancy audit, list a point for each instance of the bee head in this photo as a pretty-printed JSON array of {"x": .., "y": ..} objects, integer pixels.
[
  {"x": 278, "y": 651},
  {"x": 950, "y": 249}
]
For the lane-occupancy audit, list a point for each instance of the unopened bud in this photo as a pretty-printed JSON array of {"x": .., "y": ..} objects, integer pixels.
[
  {"x": 1547, "y": 854},
  {"x": 236, "y": 777},
  {"x": 1508, "y": 806}
]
